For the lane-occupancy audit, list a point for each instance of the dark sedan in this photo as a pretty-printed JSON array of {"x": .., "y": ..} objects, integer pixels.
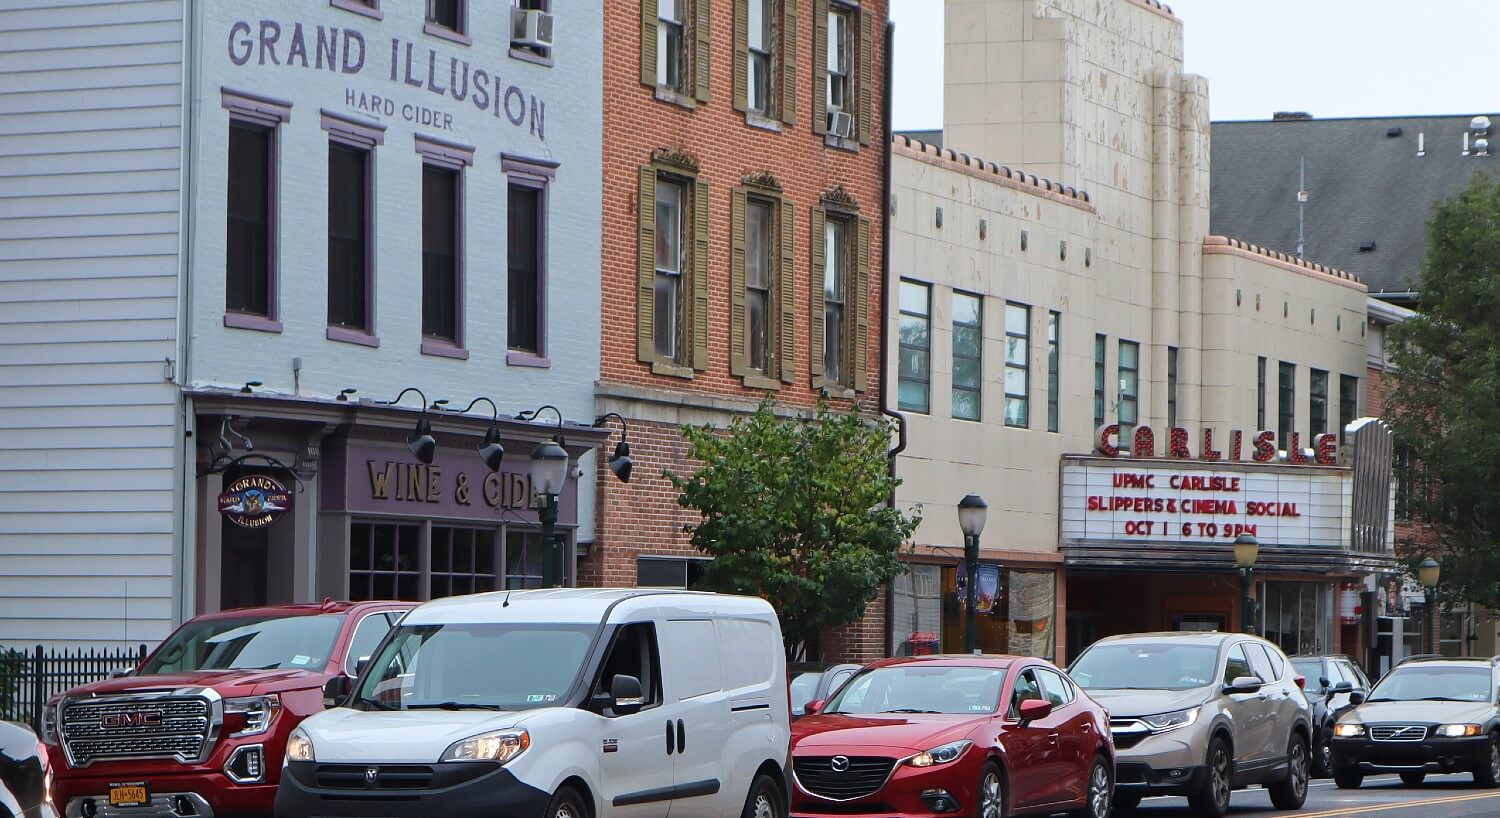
[
  {"x": 23, "y": 773},
  {"x": 1331, "y": 682}
]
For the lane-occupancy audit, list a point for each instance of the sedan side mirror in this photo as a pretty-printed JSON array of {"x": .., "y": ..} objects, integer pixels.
[
  {"x": 1244, "y": 684},
  {"x": 814, "y": 707},
  {"x": 1357, "y": 698},
  {"x": 335, "y": 690},
  {"x": 1033, "y": 709},
  {"x": 627, "y": 695},
  {"x": 1341, "y": 688},
  {"x": 1323, "y": 683}
]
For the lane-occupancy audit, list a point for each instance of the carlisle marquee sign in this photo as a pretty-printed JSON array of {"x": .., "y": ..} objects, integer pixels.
[{"x": 1296, "y": 498}]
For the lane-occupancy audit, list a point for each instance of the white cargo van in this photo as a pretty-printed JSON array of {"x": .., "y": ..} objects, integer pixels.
[{"x": 564, "y": 703}]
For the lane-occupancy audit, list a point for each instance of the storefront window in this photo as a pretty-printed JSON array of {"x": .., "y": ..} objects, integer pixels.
[
  {"x": 416, "y": 562},
  {"x": 1017, "y": 617},
  {"x": 1454, "y": 633},
  {"x": 463, "y": 561},
  {"x": 523, "y": 560},
  {"x": 1297, "y": 616},
  {"x": 384, "y": 561},
  {"x": 917, "y": 611}
]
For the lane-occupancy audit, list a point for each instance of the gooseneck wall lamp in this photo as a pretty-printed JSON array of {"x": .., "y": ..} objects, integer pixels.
[
  {"x": 619, "y": 462},
  {"x": 420, "y": 442},
  {"x": 490, "y": 450}
]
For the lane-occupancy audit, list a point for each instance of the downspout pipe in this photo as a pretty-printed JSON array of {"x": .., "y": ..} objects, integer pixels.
[{"x": 885, "y": 252}]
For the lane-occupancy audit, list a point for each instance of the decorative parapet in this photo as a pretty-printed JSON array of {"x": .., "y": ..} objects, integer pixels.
[
  {"x": 1024, "y": 182},
  {"x": 1225, "y": 246}
]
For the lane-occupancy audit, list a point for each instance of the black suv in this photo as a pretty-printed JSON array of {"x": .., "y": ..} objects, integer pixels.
[
  {"x": 1428, "y": 715},
  {"x": 1331, "y": 683}
]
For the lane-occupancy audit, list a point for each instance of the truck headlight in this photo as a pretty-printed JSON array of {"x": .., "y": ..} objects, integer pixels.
[
  {"x": 299, "y": 747},
  {"x": 939, "y": 755},
  {"x": 256, "y": 711},
  {"x": 1457, "y": 730},
  {"x": 48, "y": 731},
  {"x": 500, "y": 745},
  {"x": 1349, "y": 729},
  {"x": 1163, "y": 722}
]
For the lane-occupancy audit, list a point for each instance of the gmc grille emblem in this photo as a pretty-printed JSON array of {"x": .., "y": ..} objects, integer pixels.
[
  {"x": 139, "y": 718},
  {"x": 840, "y": 764}
]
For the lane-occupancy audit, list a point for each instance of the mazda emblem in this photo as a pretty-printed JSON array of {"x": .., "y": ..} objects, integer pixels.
[{"x": 840, "y": 764}]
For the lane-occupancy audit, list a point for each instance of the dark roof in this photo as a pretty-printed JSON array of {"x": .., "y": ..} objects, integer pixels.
[
  {"x": 933, "y": 138},
  {"x": 1369, "y": 192}
]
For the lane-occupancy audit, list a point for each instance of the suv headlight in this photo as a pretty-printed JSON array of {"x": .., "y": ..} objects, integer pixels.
[
  {"x": 1349, "y": 729},
  {"x": 299, "y": 747},
  {"x": 1163, "y": 722},
  {"x": 501, "y": 746},
  {"x": 257, "y": 711},
  {"x": 1457, "y": 730},
  {"x": 939, "y": 755}
]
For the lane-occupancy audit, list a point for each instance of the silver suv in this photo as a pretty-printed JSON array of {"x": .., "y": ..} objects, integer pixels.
[{"x": 1200, "y": 714}]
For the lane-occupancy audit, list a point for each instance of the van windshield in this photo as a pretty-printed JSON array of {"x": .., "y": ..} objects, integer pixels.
[{"x": 513, "y": 666}]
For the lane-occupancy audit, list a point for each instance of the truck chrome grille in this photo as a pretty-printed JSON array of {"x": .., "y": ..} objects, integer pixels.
[
  {"x": 135, "y": 727},
  {"x": 1398, "y": 732}
]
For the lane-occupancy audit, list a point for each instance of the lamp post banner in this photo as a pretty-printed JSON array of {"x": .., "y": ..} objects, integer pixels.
[
  {"x": 1110, "y": 502},
  {"x": 456, "y": 486}
]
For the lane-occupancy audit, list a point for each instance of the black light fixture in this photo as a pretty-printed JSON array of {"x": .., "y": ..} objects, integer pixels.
[
  {"x": 972, "y": 513},
  {"x": 345, "y": 393},
  {"x": 490, "y": 450},
  {"x": 420, "y": 442},
  {"x": 619, "y": 462},
  {"x": 549, "y": 473},
  {"x": 249, "y": 386}
]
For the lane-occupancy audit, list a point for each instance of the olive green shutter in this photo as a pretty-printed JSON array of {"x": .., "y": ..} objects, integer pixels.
[
  {"x": 645, "y": 274},
  {"x": 820, "y": 66},
  {"x": 861, "y": 298},
  {"x": 788, "y": 55},
  {"x": 815, "y": 304},
  {"x": 741, "y": 55},
  {"x": 866, "y": 81},
  {"x": 648, "y": 42},
  {"x": 700, "y": 277},
  {"x": 786, "y": 297},
  {"x": 702, "y": 53},
  {"x": 738, "y": 358}
]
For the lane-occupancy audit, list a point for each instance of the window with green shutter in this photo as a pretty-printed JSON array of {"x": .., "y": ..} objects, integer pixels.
[
  {"x": 843, "y": 75},
  {"x": 676, "y": 49},
  {"x": 765, "y": 61},
  {"x": 839, "y": 293},
  {"x": 672, "y": 265},
  {"x": 762, "y": 323}
]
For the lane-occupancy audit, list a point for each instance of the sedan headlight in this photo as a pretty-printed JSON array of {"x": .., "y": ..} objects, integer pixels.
[
  {"x": 1458, "y": 730},
  {"x": 1349, "y": 729},
  {"x": 299, "y": 747},
  {"x": 939, "y": 755},
  {"x": 257, "y": 712},
  {"x": 501, "y": 746},
  {"x": 1163, "y": 722}
]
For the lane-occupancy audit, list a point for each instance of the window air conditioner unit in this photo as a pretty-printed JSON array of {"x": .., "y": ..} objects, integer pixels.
[
  {"x": 530, "y": 28},
  {"x": 840, "y": 124}
]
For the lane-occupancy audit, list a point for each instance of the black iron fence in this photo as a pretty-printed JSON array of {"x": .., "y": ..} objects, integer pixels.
[{"x": 29, "y": 677}]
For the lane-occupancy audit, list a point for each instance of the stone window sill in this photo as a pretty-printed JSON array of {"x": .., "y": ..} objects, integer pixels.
[
  {"x": 444, "y": 349},
  {"x": 762, "y": 121},
  {"x": 527, "y": 359},
  {"x": 259, "y": 323},
  {"x": 756, "y": 380},
  {"x": 675, "y": 97},
  {"x": 672, "y": 370},
  {"x": 444, "y": 33},
  {"x": 840, "y": 143},
  {"x": 528, "y": 55},
  {"x": 349, "y": 335}
]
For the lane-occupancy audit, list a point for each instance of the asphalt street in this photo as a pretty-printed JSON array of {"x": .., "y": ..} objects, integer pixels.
[{"x": 1440, "y": 796}]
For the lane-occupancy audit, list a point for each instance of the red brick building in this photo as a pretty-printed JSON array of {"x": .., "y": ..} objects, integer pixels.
[{"x": 742, "y": 227}]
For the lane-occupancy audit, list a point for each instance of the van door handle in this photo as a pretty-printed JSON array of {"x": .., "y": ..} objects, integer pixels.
[
  {"x": 681, "y": 736},
  {"x": 670, "y": 736}
]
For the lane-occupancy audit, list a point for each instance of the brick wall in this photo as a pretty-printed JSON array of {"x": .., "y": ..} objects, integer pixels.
[{"x": 642, "y": 517}]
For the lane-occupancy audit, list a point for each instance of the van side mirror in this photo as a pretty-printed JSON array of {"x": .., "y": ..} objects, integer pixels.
[
  {"x": 1033, "y": 709},
  {"x": 1244, "y": 684},
  {"x": 336, "y": 689},
  {"x": 814, "y": 707},
  {"x": 626, "y": 695},
  {"x": 1357, "y": 698},
  {"x": 1341, "y": 688}
]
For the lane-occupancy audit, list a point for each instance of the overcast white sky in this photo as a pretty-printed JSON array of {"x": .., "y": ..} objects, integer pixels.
[{"x": 1331, "y": 58}]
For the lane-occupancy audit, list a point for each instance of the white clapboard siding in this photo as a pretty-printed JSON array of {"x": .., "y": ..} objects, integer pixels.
[{"x": 90, "y": 158}]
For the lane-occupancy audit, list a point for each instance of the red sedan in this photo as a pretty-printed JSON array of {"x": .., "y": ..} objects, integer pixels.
[{"x": 984, "y": 736}]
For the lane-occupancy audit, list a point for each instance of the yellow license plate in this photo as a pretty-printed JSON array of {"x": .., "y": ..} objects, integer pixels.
[{"x": 129, "y": 795}]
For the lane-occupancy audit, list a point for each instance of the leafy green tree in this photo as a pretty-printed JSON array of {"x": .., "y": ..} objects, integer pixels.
[
  {"x": 1444, "y": 398},
  {"x": 796, "y": 511}
]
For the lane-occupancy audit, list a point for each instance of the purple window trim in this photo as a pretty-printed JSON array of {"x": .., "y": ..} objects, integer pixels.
[
  {"x": 359, "y": 133},
  {"x": 543, "y": 170},
  {"x": 255, "y": 108},
  {"x": 527, "y": 359},
  {"x": 243, "y": 320},
  {"x": 353, "y": 336},
  {"x": 444, "y": 349},
  {"x": 535, "y": 176},
  {"x": 527, "y": 55},
  {"x": 370, "y": 9},
  {"x": 444, "y": 33},
  {"x": 444, "y": 153}
]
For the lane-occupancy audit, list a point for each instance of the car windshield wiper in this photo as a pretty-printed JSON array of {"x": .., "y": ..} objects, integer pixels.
[
  {"x": 1440, "y": 699},
  {"x": 376, "y": 704},
  {"x": 910, "y": 710},
  {"x": 454, "y": 706},
  {"x": 1379, "y": 699}
]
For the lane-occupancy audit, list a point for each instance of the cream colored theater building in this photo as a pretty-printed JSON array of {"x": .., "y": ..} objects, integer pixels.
[{"x": 1065, "y": 282}]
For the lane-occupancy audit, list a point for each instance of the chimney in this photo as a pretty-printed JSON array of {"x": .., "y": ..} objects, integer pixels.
[{"x": 1291, "y": 116}]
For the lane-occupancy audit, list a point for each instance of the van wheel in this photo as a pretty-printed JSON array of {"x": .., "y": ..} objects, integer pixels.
[
  {"x": 566, "y": 803},
  {"x": 1211, "y": 799},
  {"x": 764, "y": 801},
  {"x": 1291, "y": 792}
]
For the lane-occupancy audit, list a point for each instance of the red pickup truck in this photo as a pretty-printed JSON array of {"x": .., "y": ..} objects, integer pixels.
[{"x": 198, "y": 729}]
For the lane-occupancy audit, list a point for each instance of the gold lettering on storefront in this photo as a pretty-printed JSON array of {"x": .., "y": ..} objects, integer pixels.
[{"x": 419, "y": 483}]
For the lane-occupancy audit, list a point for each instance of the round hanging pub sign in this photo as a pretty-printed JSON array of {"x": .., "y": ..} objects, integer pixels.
[{"x": 254, "y": 501}]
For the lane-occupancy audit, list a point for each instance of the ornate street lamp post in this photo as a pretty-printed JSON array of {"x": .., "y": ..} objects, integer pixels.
[
  {"x": 1246, "y": 549},
  {"x": 972, "y": 511},
  {"x": 1427, "y": 572}
]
